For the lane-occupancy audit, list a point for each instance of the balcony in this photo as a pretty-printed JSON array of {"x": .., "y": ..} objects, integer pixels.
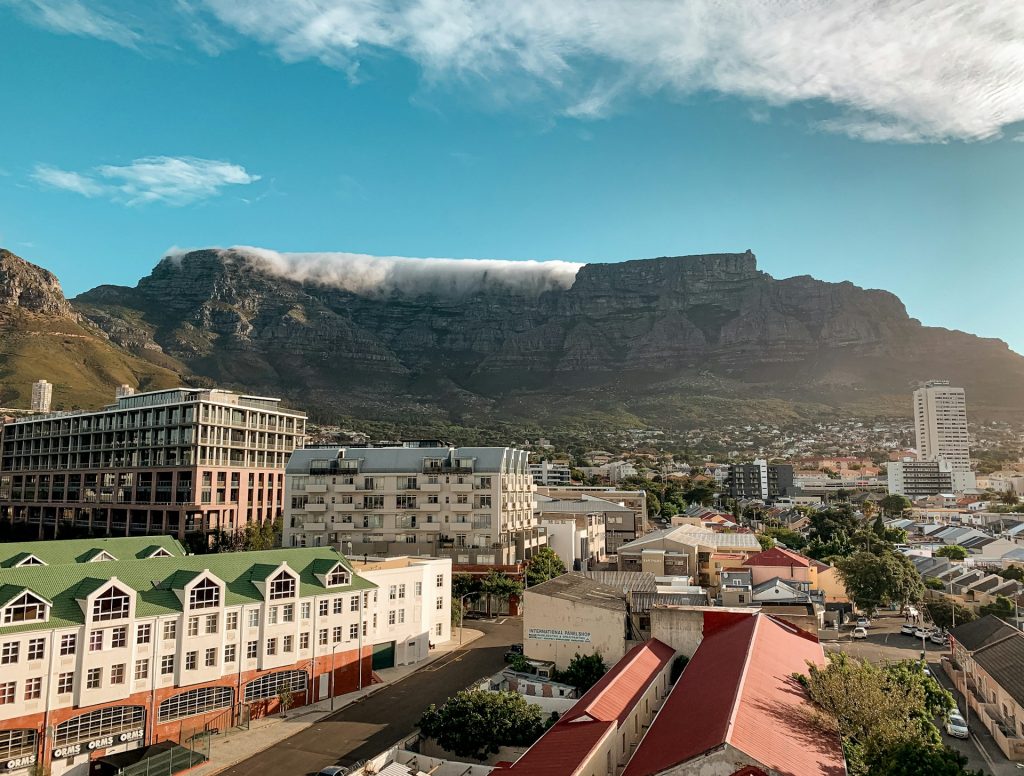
[
  {"x": 461, "y": 507},
  {"x": 316, "y": 487},
  {"x": 463, "y": 487},
  {"x": 314, "y": 526},
  {"x": 427, "y": 487},
  {"x": 311, "y": 507}
]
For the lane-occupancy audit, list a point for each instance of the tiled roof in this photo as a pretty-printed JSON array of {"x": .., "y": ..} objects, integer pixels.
[
  {"x": 605, "y": 706},
  {"x": 777, "y": 556},
  {"x": 156, "y": 579},
  {"x": 738, "y": 689},
  {"x": 68, "y": 551},
  {"x": 979, "y": 633}
]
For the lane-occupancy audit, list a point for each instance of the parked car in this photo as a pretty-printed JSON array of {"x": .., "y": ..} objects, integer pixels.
[
  {"x": 513, "y": 651},
  {"x": 940, "y": 638},
  {"x": 907, "y": 629},
  {"x": 473, "y": 615},
  {"x": 956, "y": 725},
  {"x": 860, "y": 633},
  {"x": 863, "y": 622},
  {"x": 333, "y": 770},
  {"x": 921, "y": 632}
]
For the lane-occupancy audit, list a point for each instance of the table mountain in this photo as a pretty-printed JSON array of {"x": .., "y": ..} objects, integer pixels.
[
  {"x": 664, "y": 340},
  {"x": 43, "y": 336}
]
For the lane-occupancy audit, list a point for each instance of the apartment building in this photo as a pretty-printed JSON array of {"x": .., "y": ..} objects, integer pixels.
[
  {"x": 576, "y": 529},
  {"x": 121, "y": 651},
  {"x": 625, "y": 511},
  {"x": 471, "y": 504},
  {"x": 759, "y": 480},
  {"x": 42, "y": 396},
  {"x": 916, "y": 479},
  {"x": 554, "y": 474},
  {"x": 940, "y": 428},
  {"x": 172, "y": 461}
]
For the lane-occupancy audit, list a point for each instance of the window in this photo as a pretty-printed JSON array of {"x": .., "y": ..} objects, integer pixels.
[
  {"x": 401, "y": 616},
  {"x": 205, "y": 594},
  {"x": 193, "y": 626},
  {"x": 34, "y": 688},
  {"x": 25, "y": 608},
  {"x": 440, "y": 603},
  {"x": 117, "y": 674},
  {"x": 112, "y": 604},
  {"x": 15, "y": 744},
  {"x": 211, "y": 657},
  {"x": 282, "y": 586},
  {"x": 118, "y": 637},
  {"x": 440, "y": 580},
  {"x": 143, "y": 633},
  {"x": 271, "y": 685},
  {"x": 212, "y": 623},
  {"x": 141, "y": 669},
  {"x": 339, "y": 605},
  {"x": 191, "y": 660},
  {"x": 7, "y": 690},
  {"x": 96, "y": 641},
  {"x": 252, "y": 650},
  {"x": 93, "y": 678},
  {"x": 271, "y": 646},
  {"x": 324, "y": 605},
  {"x": 96, "y": 724},
  {"x": 336, "y": 634},
  {"x": 393, "y": 592},
  {"x": 401, "y": 592},
  {"x": 254, "y": 618},
  {"x": 287, "y": 644},
  {"x": 65, "y": 683},
  {"x": 288, "y": 613},
  {"x": 192, "y": 702},
  {"x": 337, "y": 577},
  {"x": 9, "y": 652},
  {"x": 67, "y": 643},
  {"x": 438, "y": 629},
  {"x": 353, "y": 631},
  {"x": 306, "y": 611},
  {"x": 418, "y": 590},
  {"x": 170, "y": 630},
  {"x": 303, "y": 641},
  {"x": 166, "y": 665},
  {"x": 353, "y": 605},
  {"x": 322, "y": 637},
  {"x": 231, "y": 621},
  {"x": 230, "y": 653}
]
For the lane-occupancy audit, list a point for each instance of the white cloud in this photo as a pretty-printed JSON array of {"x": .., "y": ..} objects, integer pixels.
[
  {"x": 167, "y": 179},
  {"x": 876, "y": 70}
]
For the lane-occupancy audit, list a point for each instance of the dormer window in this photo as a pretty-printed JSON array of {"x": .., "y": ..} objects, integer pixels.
[
  {"x": 25, "y": 608},
  {"x": 100, "y": 556},
  {"x": 282, "y": 586},
  {"x": 338, "y": 576},
  {"x": 161, "y": 552},
  {"x": 204, "y": 595},
  {"x": 31, "y": 560},
  {"x": 111, "y": 604}
]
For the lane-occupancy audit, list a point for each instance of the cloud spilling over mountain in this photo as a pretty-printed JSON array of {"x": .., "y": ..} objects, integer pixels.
[{"x": 387, "y": 275}]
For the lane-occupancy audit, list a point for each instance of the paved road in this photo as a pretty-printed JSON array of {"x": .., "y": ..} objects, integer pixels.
[{"x": 368, "y": 727}]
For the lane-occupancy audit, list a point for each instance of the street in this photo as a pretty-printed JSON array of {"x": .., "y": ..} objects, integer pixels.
[
  {"x": 885, "y": 643},
  {"x": 367, "y": 727}
]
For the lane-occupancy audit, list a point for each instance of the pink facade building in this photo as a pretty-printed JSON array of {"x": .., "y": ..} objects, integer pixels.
[{"x": 161, "y": 462}]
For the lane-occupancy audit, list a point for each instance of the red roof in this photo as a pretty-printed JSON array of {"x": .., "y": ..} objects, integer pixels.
[
  {"x": 738, "y": 690},
  {"x": 777, "y": 556},
  {"x": 605, "y": 706}
]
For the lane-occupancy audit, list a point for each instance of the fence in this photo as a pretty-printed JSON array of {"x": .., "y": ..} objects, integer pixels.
[{"x": 171, "y": 761}]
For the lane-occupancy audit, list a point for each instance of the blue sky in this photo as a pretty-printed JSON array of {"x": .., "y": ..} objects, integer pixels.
[{"x": 876, "y": 143}]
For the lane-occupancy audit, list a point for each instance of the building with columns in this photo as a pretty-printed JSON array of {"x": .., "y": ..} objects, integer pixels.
[{"x": 172, "y": 461}]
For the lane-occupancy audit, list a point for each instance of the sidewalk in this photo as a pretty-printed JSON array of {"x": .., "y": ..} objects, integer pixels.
[{"x": 234, "y": 747}]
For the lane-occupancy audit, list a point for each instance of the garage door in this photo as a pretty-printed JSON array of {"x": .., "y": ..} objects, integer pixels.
[{"x": 384, "y": 655}]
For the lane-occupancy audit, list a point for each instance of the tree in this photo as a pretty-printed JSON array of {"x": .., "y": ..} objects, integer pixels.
[
  {"x": 1002, "y": 607},
  {"x": 475, "y": 723},
  {"x": 678, "y": 665},
  {"x": 894, "y": 504},
  {"x": 1012, "y": 572},
  {"x": 951, "y": 551},
  {"x": 918, "y": 758},
  {"x": 765, "y": 541},
  {"x": 465, "y": 585},
  {"x": 944, "y": 613},
  {"x": 583, "y": 671},
  {"x": 787, "y": 536},
  {"x": 543, "y": 566},
  {"x": 286, "y": 699},
  {"x": 500, "y": 586},
  {"x": 873, "y": 580},
  {"x": 879, "y": 527}
]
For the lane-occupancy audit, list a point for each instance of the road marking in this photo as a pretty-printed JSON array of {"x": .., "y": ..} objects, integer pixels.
[{"x": 984, "y": 753}]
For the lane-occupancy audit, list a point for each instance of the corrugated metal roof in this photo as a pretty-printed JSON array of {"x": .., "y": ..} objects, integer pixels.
[
  {"x": 979, "y": 633},
  {"x": 624, "y": 580},
  {"x": 1002, "y": 661},
  {"x": 574, "y": 586}
]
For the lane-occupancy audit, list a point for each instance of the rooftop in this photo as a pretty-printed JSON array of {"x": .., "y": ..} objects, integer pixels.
[
  {"x": 777, "y": 556},
  {"x": 58, "y": 552},
  {"x": 577, "y": 587},
  {"x": 981, "y": 633}
]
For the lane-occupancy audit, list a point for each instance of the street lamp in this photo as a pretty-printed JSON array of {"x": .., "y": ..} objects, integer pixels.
[
  {"x": 462, "y": 613},
  {"x": 334, "y": 651}
]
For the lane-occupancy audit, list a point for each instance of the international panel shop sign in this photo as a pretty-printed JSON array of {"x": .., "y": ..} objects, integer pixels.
[{"x": 554, "y": 634}]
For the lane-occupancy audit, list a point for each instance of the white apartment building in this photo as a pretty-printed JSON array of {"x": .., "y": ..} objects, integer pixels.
[
  {"x": 474, "y": 505},
  {"x": 915, "y": 479},
  {"x": 42, "y": 396},
  {"x": 115, "y": 646},
  {"x": 940, "y": 428},
  {"x": 547, "y": 473},
  {"x": 576, "y": 529}
]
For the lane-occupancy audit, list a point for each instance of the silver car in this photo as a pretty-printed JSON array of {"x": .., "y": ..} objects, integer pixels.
[{"x": 956, "y": 725}]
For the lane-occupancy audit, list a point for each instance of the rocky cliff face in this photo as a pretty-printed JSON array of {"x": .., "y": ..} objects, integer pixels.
[
  {"x": 30, "y": 288},
  {"x": 637, "y": 334}
]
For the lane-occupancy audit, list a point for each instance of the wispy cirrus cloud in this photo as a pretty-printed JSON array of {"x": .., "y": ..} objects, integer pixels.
[
  {"x": 76, "y": 17},
  {"x": 879, "y": 70},
  {"x": 165, "y": 179}
]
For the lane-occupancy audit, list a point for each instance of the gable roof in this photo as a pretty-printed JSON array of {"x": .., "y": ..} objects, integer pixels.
[
  {"x": 58, "y": 552},
  {"x": 742, "y": 675},
  {"x": 603, "y": 709},
  {"x": 777, "y": 556},
  {"x": 1002, "y": 661},
  {"x": 156, "y": 579},
  {"x": 981, "y": 633}
]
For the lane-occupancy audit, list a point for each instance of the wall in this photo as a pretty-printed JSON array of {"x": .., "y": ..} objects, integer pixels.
[
  {"x": 723, "y": 761},
  {"x": 832, "y": 586},
  {"x": 604, "y": 629}
]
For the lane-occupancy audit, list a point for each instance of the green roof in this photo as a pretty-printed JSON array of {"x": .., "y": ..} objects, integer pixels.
[
  {"x": 62, "y": 552},
  {"x": 156, "y": 580}
]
